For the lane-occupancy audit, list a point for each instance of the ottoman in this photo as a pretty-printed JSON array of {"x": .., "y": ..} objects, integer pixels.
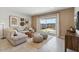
[
  {"x": 45, "y": 36},
  {"x": 37, "y": 38}
]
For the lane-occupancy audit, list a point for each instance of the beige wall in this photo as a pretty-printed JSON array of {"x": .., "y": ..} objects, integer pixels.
[
  {"x": 66, "y": 19},
  {"x": 34, "y": 21}
]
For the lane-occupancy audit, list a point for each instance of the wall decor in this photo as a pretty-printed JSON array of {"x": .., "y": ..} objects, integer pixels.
[
  {"x": 22, "y": 23},
  {"x": 13, "y": 20},
  {"x": 22, "y": 19},
  {"x": 16, "y": 21},
  {"x": 26, "y": 22}
]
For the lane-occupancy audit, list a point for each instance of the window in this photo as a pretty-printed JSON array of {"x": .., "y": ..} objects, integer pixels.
[{"x": 48, "y": 22}]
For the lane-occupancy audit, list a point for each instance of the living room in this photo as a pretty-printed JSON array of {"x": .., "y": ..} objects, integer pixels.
[{"x": 22, "y": 28}]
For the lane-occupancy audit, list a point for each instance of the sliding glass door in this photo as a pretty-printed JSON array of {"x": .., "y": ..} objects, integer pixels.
[{"x": 48, "y": 25}]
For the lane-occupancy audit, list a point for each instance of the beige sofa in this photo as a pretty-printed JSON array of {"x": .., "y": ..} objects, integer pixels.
[{"x": 15, "y": 40}]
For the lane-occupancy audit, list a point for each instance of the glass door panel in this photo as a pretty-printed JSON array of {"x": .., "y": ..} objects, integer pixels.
[{"x": 48, "y": 25}]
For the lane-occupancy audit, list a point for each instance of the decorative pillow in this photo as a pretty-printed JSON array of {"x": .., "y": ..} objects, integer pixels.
[
  {"x": 18, "y": 29},
  {"x": 15, "y": 34},
  {"x": 26, "y": 28}
]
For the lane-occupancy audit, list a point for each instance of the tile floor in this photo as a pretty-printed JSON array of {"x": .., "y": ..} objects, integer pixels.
[{"x": 52, "y": 44}]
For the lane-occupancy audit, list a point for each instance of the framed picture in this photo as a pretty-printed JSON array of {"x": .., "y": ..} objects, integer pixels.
[
  {"x": 21, "y": 19},
  {"x": 22, "y": 23},
  {"x": 13, "y": 20}
]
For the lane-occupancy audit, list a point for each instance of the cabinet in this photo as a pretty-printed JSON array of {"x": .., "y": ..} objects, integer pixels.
[{"x": 71, "y": 41}]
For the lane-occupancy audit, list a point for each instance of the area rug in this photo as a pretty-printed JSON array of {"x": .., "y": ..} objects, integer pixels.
[{"x": 27, "y": 46}]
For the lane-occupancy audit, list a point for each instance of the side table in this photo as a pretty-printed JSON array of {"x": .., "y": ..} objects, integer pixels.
[{"x": 30, "y": 34}]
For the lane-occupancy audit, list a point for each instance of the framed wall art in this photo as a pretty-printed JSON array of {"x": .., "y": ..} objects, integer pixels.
[
  {"x": 13, "y": 21},
  {"x": 22, "y": 19}
]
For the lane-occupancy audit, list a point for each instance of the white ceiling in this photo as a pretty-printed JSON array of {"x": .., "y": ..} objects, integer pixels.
[{"x": 34, "y": 10}]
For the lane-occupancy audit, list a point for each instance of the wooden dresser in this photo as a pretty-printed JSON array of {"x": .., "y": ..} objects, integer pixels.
[{"x": 71, "y": 41}]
